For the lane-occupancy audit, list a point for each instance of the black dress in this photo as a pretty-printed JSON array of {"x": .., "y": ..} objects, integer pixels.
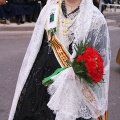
[{"x": 32, "y": 103}]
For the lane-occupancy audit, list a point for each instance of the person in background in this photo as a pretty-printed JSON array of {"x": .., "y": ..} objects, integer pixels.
[
  {"x": 4, "y": 6},
  {"x": 107, "y": 1},
  {"x": 20, "y": 18}
]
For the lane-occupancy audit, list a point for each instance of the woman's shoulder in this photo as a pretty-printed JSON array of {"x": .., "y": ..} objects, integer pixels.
[
  {"x": 98, "y": 15},
  {"x": 47, "y": 7},
  {"x": 98, "y": 18}
]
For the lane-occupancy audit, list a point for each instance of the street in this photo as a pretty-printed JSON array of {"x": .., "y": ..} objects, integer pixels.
[
  {"x": 13, "y": 45},
  {"x": 114, "y": 17},
  {"x": 12, "y": 49}
]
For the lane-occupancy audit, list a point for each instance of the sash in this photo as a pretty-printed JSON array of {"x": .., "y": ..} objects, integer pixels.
[
  {"x": 61, "y": 52},
  {"x": 90, "y": 98}
]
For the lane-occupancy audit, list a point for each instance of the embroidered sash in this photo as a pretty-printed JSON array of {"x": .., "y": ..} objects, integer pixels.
[
  {"x": 60, "y": 52},
  {"x": 90, "y": 98}
]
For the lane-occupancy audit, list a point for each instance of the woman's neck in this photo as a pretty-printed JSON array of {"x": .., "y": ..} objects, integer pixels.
[{"x": 72, "y": 5}]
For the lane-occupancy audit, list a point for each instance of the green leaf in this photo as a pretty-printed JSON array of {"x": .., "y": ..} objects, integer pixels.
[
  {"x": 80, "y": 71},
  {"x": 69, "y": 62}
]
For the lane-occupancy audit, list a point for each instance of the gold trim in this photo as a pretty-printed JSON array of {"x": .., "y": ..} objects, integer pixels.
[
  {"x": 88, "y": 94},
  {"x": 60, "y": 52}
]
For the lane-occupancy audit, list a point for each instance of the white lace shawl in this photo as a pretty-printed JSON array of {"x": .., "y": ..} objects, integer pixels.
[{"x": 71, "y": 97}]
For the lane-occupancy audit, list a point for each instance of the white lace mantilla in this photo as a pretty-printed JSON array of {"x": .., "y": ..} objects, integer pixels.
[{"x": 70, "y": 97}]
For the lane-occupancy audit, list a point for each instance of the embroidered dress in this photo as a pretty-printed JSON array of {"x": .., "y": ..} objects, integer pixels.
[{"x": 66, "y": 98}]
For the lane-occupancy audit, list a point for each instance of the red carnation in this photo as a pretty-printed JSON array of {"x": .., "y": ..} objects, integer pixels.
[
  {"x": 93, "y": 63},
  {"x": 79, "y": 58}
]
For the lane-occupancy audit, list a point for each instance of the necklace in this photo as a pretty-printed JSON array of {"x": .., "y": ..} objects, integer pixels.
[
  {"x": 67, "y": 19},
  {"x": 65, "y": 22}
]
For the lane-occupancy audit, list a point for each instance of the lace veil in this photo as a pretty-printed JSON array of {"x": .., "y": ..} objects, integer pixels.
[{"x": 72, "y": 97}]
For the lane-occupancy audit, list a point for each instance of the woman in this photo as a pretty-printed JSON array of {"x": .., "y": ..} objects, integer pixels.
[{"x": 66, "y": 22}]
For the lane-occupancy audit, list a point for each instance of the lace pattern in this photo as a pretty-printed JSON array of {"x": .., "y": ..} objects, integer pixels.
[{"x": 69, "y": 99}]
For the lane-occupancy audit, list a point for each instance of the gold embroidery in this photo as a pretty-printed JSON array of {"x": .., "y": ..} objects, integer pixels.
[
  {"x": 90, "y": 98},
  {"x": 60, "y": 52}
]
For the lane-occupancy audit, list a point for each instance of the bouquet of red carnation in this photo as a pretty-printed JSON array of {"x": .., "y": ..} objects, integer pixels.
[{"x": 88, "y": 63}]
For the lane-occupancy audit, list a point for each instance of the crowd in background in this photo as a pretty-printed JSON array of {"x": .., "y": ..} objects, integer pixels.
[
  {"x": 28, "y": 10},
  {"x": 20, "y": 10}
]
